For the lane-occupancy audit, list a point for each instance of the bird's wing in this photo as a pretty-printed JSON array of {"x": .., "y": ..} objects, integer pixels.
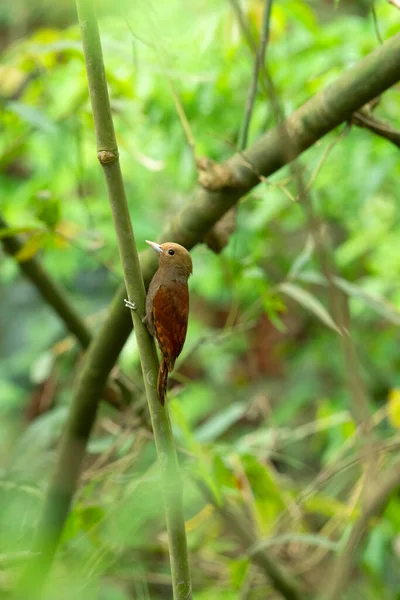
[{"x": 170, "y": 317}]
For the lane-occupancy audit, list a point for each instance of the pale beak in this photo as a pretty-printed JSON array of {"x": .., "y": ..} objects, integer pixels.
[{"x": 155, "y": 246}]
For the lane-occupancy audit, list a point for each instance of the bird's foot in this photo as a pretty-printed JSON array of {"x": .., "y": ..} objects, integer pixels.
[
  {"x": 132, "y": 306},
  {"x": 129, "y": 304}
]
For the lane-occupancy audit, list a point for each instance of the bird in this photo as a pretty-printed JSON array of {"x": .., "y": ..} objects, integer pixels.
[{"x": 167, "y": 306}]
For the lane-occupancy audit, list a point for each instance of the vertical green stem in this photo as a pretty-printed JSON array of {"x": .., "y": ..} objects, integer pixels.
[{"x": 107, "y": 153}]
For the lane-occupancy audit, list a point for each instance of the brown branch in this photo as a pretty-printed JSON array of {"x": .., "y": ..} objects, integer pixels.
[
  {"x": 51, "y": 292},
  {"x": 57, "y": 298},
  {"x": 363, "y": 118}
]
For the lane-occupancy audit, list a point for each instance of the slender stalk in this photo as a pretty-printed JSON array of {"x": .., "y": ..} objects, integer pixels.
[
  {"x": 259, "y": 60},
  {"x": 333, "y": 105},
  {"x": 218, "y": 238},
  {"x": 107, "y": 153},
  {"x": 362, "y": 118}
]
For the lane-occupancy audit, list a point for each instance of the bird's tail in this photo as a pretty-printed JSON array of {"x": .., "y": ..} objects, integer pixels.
[{"x": 162, "y": 380}]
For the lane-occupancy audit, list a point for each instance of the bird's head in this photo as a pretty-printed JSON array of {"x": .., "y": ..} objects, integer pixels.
[{"x": 173, "y": 257}]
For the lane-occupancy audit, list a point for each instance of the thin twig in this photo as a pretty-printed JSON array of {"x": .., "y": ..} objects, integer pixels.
[
  {"x": 160, "y": 52},
  {"x": 367, "y": 121},
  {"x": 376, "y": 23},
  {"x": 258, "y": 61}
]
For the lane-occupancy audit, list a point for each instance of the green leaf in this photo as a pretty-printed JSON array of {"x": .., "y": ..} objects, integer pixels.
[
  {"x": 82, "y": 518},
  {"x": 91, "y": 516},
  {"x": 32, "y": 246},
  {"x": 324, "y": 505},
  {"x": 268, "y": 494},
  {"x": 32, "y": 116},
  {"x": 238, "y": 570},
  {"x": 310, "y": 302},
  {"x": 47, "y": 208},
  {"x": 221, "y": 422},
  {"x": 222, "y": 474},
  {"x": 378, "y": 546},
  {"x": 374, "y": 301},
  {"x": 302, "y": 258}
]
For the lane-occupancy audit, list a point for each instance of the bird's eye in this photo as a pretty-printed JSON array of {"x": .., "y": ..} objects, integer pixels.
[{"x": 171, "y": 252}]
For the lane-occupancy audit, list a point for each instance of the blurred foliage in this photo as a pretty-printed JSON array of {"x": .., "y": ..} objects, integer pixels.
[{"x": 260, "y": 404}]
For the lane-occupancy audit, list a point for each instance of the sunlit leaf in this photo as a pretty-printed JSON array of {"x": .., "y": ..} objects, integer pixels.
[
  {"x": 238, "y": 570},
  {"x": 394, "y": 407},
  {"x": 32, "y": 246},
  {"x": 42, "y": 367},
  {"x": 268, "y": 494},
  {"x": 325, "y": 505}
]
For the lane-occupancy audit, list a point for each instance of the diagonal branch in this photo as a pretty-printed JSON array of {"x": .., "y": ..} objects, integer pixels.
[
  {"x": 363, "y": 118},
  {"x": 50, "y": 291},
  {"x": 322, "y": 113},
  {"x": 56, "y": 297}
]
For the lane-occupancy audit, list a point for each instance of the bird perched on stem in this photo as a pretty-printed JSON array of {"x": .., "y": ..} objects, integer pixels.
[{"x": 167, "y": 306}]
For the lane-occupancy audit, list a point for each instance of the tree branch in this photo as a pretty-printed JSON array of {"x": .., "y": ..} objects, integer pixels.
[
  {"x": 363, "y": 118},
  {"x": 389, "y": 482},
  {"x": 50, "y": 291},
  {"x": 333, "y": 105},
  {"x": 56, "y": 297}
]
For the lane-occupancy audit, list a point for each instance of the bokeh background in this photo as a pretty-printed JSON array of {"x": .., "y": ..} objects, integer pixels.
[{"x": 259, "y": 402}]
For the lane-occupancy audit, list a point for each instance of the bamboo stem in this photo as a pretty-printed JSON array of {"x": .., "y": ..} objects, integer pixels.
[{"x": 107, "y": 153}]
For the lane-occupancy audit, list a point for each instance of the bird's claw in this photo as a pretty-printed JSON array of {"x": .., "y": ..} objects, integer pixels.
[
  {"x": 133, "y": 306},
  {"x": 130, "y": 304}
]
